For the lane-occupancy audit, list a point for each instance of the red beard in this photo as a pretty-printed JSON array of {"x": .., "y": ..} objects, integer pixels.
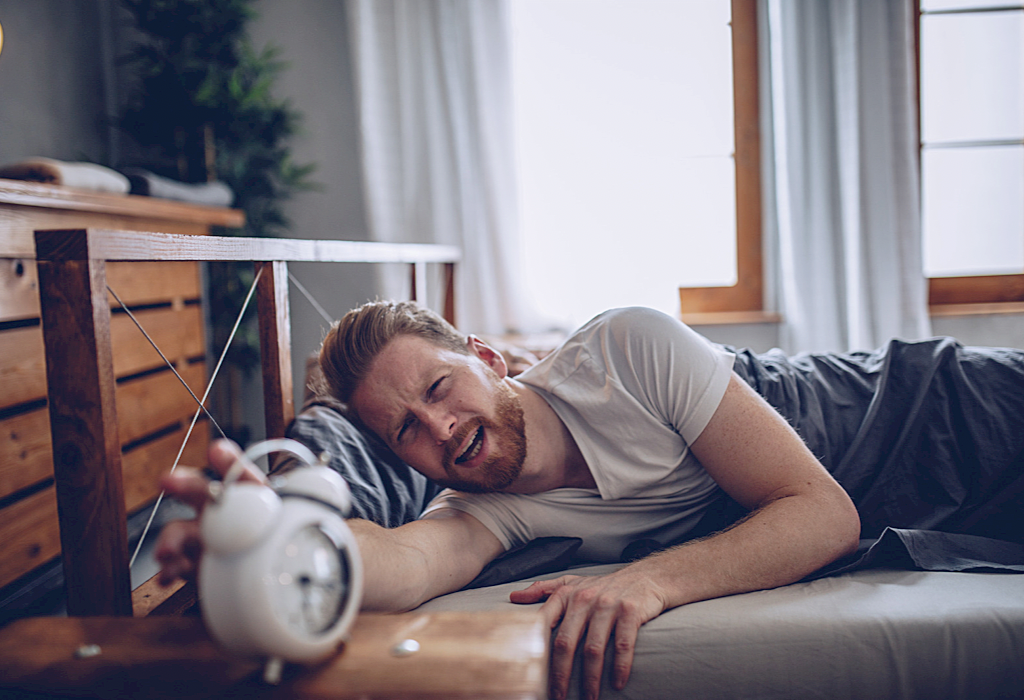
[{"x": 507, "y": 440}]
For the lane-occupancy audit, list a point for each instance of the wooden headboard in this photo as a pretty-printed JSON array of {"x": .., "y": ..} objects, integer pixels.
[{"x": 75, "y": 314}]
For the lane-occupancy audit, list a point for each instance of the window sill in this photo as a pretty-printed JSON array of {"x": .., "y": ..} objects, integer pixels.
[
  {"x": 1002, "y": 307},
  {"x": 729, "y": 318}
]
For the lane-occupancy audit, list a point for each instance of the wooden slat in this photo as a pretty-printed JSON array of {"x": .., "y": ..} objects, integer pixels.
[
  {"x": 25, "y": 455},
  {"x": 153, "y": 282},
  {"x": 113, "y": 245},
  {"x": 135, "y": 283},
  {"x": 23, "y": 371},
  {"x": 144, "y": 406},
  {"x": 144, "y": 465},
  {"x": 157, "y": 400},
  {"x": 29, "y": 535},
  {"x": 19, "y": 290},
  {"x": 178, "y": 333},
  {"x": 29, "y": 531}
]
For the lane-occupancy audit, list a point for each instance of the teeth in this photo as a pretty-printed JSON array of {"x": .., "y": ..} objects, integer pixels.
[{"x": 473, "y": 448}]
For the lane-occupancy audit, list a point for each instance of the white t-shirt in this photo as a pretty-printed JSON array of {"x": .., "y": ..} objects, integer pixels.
[{"x": 634, "y": 387}]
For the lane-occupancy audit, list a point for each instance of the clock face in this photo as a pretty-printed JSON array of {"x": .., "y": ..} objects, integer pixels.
[{"x": 311, "y": 581}]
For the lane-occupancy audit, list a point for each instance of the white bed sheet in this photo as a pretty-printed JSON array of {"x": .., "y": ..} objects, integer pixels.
[{"x": 869, "y": 634}]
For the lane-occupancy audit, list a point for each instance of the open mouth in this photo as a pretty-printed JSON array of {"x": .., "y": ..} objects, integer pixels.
[{"x": 473, "y": 448}]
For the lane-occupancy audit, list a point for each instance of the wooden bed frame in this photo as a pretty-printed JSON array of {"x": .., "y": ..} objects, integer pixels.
[{"x": 75, "y": 312}]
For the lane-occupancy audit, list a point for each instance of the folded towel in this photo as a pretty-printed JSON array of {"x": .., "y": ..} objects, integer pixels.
[
  {"x": 86, "y": 176},
  {"x": 214, "y": 194}
]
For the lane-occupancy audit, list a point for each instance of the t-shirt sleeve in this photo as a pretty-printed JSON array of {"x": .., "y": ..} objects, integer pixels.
[
  {"x": 491, "y": 509},
  {"x": 685, "y": 375},
  {"x": 662, "y": 366}
]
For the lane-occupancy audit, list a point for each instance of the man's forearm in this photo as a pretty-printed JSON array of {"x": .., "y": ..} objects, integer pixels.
[
  {"x": 775, "y": 545},
  {"x": 393, "y": 571}
]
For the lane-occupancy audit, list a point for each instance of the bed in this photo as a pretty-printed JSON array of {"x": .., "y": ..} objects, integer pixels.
[{"x": 932, "y": 606}]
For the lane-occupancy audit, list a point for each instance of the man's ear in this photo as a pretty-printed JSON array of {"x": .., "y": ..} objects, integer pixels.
[{"x": 490, "y": 357}]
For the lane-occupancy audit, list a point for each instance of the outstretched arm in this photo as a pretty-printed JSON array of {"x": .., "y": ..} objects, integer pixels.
[
  {"x": 402, "y": 567},
  {"x": 801, "y": 519}
]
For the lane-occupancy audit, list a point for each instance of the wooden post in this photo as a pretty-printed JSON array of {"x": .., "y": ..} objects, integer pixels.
[
  {"x": 83, "y": 424},
  {"x": 449, "y": 293},
  {"x": 275, "y": 346}
]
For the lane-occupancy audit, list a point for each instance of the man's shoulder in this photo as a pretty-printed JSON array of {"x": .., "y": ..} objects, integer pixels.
[
  {"x": 613, "y": 339},
  {"x": 621, "y": 325}
]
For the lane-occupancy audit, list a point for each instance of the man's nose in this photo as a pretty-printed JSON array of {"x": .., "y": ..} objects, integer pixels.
[{"x": 440, "y": 422}]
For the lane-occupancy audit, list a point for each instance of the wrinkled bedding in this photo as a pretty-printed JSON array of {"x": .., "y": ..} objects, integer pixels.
[{"x": 926, "y": 437}]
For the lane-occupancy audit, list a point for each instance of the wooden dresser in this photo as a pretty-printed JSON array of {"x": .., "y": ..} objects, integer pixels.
[{"x": 153, "y": 409}]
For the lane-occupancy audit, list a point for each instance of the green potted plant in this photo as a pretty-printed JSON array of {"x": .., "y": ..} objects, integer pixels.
[{"x": 201, "y": 109}]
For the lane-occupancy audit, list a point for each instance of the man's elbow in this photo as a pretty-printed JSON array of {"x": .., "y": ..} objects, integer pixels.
[{"x": 843, "y": 523}]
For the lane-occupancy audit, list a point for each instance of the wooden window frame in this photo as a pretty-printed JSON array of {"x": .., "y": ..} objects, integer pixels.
[
  {"x": 743, "y": 302},
  {"x": 968, "y": 294}
]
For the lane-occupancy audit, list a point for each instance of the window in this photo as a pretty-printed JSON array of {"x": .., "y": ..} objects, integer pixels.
[
  {"x": 971, "y": 62},
  {"x": 625, "y": 146}
]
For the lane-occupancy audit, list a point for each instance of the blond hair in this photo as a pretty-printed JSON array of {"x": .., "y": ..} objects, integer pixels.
[{"x": 352, "y": 344}]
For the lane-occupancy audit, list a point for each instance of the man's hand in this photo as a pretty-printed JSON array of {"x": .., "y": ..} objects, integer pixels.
[
  {"x": 180, "y": 546},
  {"x": 602, "y": 608}
]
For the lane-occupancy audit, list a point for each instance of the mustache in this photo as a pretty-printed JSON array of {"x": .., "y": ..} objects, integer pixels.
[{"x": 455, "y": 443}]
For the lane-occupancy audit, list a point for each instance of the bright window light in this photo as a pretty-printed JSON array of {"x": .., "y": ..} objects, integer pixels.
[
  {"x": 972, "y": 129},
  {"x": 624, "y": 127}
]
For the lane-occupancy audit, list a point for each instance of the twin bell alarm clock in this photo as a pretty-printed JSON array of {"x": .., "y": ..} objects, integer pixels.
[{"x": 280, "y": 577}]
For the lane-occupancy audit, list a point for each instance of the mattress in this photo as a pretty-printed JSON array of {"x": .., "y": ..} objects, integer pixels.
[{"x": 878, "y": 633}]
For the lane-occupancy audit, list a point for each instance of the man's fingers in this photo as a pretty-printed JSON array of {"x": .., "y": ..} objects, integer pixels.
[
  {"x": 598, "y": 632},
  {"x": 626, "y": 631},
  {"x": 539, "y": 590},
  {"x": 188, "y": 485},
  {"x": 177, "y": 550},
  {"x": 563, "y": 646},
  {"x": 223, "y": 454}
]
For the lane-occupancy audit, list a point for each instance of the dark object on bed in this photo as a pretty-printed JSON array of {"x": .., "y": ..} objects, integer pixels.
[{"x": 927, "y": 437}]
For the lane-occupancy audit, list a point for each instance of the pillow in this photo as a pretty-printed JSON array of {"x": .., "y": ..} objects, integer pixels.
[{"x": 384, "y": 488}]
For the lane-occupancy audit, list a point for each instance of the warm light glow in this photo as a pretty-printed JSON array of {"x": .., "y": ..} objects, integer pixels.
[{"x": 1, "y": 37}]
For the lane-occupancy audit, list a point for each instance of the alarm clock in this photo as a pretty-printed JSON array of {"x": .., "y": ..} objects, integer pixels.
[{"x": 280, "y": 577}]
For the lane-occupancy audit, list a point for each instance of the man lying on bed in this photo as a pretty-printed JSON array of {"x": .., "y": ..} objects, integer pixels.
[{"x": 630, "y": 431}]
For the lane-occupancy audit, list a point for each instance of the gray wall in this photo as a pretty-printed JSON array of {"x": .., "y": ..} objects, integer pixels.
[{"x": 52, "y": 99}]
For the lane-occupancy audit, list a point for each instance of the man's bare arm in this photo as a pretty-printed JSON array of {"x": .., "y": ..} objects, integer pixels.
[
  {"x": 402, "y": 567},
  {"x": 409, "y": 565}
]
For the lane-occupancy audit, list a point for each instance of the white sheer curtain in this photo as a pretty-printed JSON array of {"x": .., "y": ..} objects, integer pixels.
[
  {"x": 433, "y": 89},
  {"x": 846, "y": 203}
]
